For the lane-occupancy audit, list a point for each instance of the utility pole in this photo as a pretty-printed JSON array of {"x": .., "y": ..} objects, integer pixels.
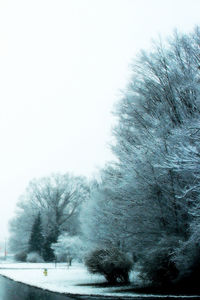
[{"x": 5, "y": 251}]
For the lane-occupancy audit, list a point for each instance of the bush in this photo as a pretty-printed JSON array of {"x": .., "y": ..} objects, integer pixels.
[
  {"x": 21, "y": 256},
  {"x": 187, "y": 260},
  {"x": 111, "y": 263},
  {"x": 159, "y": 268},
  {"x": 34, "y": 257}
]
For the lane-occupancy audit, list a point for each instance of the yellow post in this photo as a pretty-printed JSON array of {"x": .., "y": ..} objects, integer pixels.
[{"x": 45, "y": 272}]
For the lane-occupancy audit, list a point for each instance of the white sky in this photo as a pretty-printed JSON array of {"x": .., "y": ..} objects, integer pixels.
[{"x": 62, "y": 65}]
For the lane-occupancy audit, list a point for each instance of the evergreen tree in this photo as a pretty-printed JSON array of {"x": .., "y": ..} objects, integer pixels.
[
  {"x": 36, "y": 240},
  {"x": 48, "y": 253}
]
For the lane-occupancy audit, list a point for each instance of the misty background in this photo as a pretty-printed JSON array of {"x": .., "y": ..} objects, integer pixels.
[{"x": 62, "y": 66}]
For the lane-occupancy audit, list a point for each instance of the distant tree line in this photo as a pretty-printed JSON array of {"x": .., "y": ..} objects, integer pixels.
[
  {"x": 145, "y": 206},
  {"x": 49, "y": 207}
]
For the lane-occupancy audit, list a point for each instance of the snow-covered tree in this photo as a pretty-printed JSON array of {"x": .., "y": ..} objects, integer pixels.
[
  {"x": 163, "y": 95},
  {"x": 100, "y": 216},
  {"x": 20, "y": 226},
  {"x": 68, "y": 248},
  {"x": 144, "y": 201}
]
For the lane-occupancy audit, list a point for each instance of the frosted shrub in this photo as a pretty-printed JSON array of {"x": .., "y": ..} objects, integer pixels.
[
  {"x": 158, "y": 267},
  {"x": 111, "y": 263},
  {"x": 187, "y": 260},
  {"x": 21, "y": 256},
  {"x": 34, "y": 257}
]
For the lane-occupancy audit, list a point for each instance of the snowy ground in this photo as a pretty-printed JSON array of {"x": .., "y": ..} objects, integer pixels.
[{"x": 62, "y": 279}]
